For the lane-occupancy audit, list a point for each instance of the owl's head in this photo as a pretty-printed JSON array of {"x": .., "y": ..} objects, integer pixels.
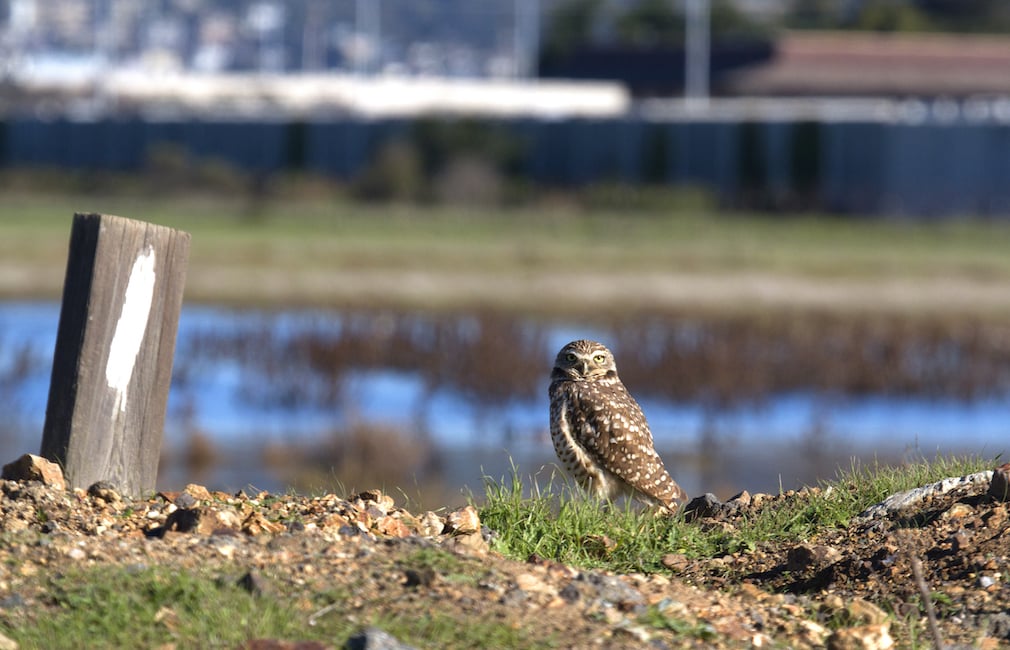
[{"x": 584, "y": 360}]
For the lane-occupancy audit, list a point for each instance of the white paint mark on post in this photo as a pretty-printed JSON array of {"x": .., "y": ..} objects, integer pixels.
[{"x": 131, "y": 326}]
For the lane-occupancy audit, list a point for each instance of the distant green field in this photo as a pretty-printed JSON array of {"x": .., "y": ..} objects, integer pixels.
[{"x": 325, "y": 252}]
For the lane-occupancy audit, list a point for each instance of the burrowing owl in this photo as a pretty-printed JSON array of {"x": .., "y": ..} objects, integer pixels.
[{"x": 599, "y": 431}]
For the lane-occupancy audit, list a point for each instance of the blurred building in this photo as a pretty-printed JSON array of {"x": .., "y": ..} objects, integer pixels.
[{"x": 875, "y": 64}]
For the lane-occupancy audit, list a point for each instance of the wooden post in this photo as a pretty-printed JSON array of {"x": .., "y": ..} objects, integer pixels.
[{"x": 114, "y": 349}]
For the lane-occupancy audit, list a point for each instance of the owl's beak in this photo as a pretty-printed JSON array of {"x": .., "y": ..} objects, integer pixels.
[{"x": 584, "y": 368}]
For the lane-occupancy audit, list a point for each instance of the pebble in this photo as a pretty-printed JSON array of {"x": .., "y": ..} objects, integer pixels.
[
  {"x": 864, "y": 637},
  {"x": 805, "y": 556},
  {"x": 812, "y": 633},
  {"x": 375, "y": 639},
  {"x": 999, "y": 485},
  {"x": 35, "y": 468},
  {"x": 706, "y": 505},
  {"x": 464, "y": 520}
]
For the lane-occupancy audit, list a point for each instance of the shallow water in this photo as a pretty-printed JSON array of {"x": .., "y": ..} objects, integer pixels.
[{"x": 472, "y": 390}]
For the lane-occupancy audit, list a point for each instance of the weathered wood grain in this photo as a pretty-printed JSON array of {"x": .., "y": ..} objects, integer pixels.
[{"x": 114, "y": 350}]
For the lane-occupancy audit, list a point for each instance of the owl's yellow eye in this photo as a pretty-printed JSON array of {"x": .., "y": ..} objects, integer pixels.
[
  {"x": 600, "y": 358},
  {"x": 571, "y": 357}
]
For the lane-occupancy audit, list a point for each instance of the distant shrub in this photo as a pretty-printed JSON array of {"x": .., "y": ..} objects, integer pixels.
[
  {"x": 361, "y": 457},
  {"x": 469, "y": 180},
  {"x": 395, "y": 174}
]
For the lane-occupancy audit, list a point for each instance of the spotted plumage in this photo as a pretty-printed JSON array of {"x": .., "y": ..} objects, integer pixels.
[{"x": 599, "y": 431}]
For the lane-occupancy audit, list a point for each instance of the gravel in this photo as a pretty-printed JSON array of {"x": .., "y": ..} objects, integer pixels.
[{"x": 843, "y": 588}]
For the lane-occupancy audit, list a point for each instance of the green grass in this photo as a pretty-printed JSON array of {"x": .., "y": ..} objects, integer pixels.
[
  {"x": 122, "y": 607},
  {"x": 560, "y": 524},
  {"x": 304, "y": 243}
]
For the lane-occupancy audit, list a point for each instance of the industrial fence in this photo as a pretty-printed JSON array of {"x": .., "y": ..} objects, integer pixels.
[{"x": 927, "y": 168}]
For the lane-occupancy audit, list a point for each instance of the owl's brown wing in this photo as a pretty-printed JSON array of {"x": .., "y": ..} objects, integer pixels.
[{"x": 613, "y": 429}]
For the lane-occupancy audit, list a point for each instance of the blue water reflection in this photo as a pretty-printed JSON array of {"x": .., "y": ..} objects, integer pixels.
[{"x": 223, "y": 396}]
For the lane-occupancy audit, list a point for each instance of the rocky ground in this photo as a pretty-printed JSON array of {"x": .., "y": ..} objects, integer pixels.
[{"x": 844, "y": 588}]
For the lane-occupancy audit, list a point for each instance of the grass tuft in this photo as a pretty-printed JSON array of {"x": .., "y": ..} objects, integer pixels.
[{"x": 559, "y": 523}]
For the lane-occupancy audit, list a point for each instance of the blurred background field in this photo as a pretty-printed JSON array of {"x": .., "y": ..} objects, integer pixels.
[{"x": 394, "y": 229}]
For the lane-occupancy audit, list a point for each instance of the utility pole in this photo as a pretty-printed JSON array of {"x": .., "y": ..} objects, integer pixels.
[
  {"x": 526, "y": 43},
  {"x": 697, "y": 52},
  {"x": 368, "y": 28}
]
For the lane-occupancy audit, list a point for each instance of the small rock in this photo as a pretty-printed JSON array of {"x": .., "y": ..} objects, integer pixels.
[
  {"x": 185, "y": 500},
  {"x": 224, "y": 547},
  {"x": 35, "y": 468},
  {"x": 959, "y": 541},
  {"x": 423, "y": 577},
  {"x": 999, "y": 626},
  {"x": 598, "y": 545},
  {"x": 832, "y": 604},
  {"x": 7, "y": 643},
  {"x": 335, "y": 520},
  {"x": 707, "y": 505},
  {"x": 463, "y": 521},
  {"x": 489, "y": 535},
  {"x": 217, "y": 520},
  {"x": 183, "y": 520},
  {"x": 752, "y": 592},
  {"x": 375, "y": 498},
  {"x": 805, "y": 556},
  {"x": 986, "y": 581},
  {"x": 864, "y": 637},
  {"x": 375, "y": 639},
  {"x": 350, "y": 531},
  {"x": 430, "y": 525},
  {"x": 613, "y": 590},
  {"x": 637, "y": 632},
  {"x": 740, "y": 500},
  {"x": 534, "y": 584},
  {"x": 675, "y": 561},
  {"x": 999, "y": 485},
  {"x": 257, "y": 524},
  {"x": 253, "y": 583},
  {"x": 863, "y": 611},
  {"x": 812, "y": 633},
  {"x": 910, "y": 499},
  {"x": 471, "y": 544},
  {"x": 391, "y": 527},
  {"x": 14, "y": 601},
  {"x": 570, "y": 593},
  {"x": 996, "y": 517},
  {"x": 104, "y": 491},
  {"x": 958, "y": 511},
  {"x": 513, "y": 598},
  {"x": 198, "y": 492}
]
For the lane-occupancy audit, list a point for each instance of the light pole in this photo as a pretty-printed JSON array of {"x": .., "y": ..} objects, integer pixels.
[
  {"x": 696, "y": 60},
  {"x": 367, "y": 19},
  {"x": 526, "y": 42}
]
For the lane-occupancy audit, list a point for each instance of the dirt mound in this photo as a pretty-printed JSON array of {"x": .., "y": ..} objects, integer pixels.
[{"x": 375, "y": 562}]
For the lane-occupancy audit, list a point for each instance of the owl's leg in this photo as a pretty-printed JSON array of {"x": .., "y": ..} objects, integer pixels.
[{"x": 656, "y": 508}]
